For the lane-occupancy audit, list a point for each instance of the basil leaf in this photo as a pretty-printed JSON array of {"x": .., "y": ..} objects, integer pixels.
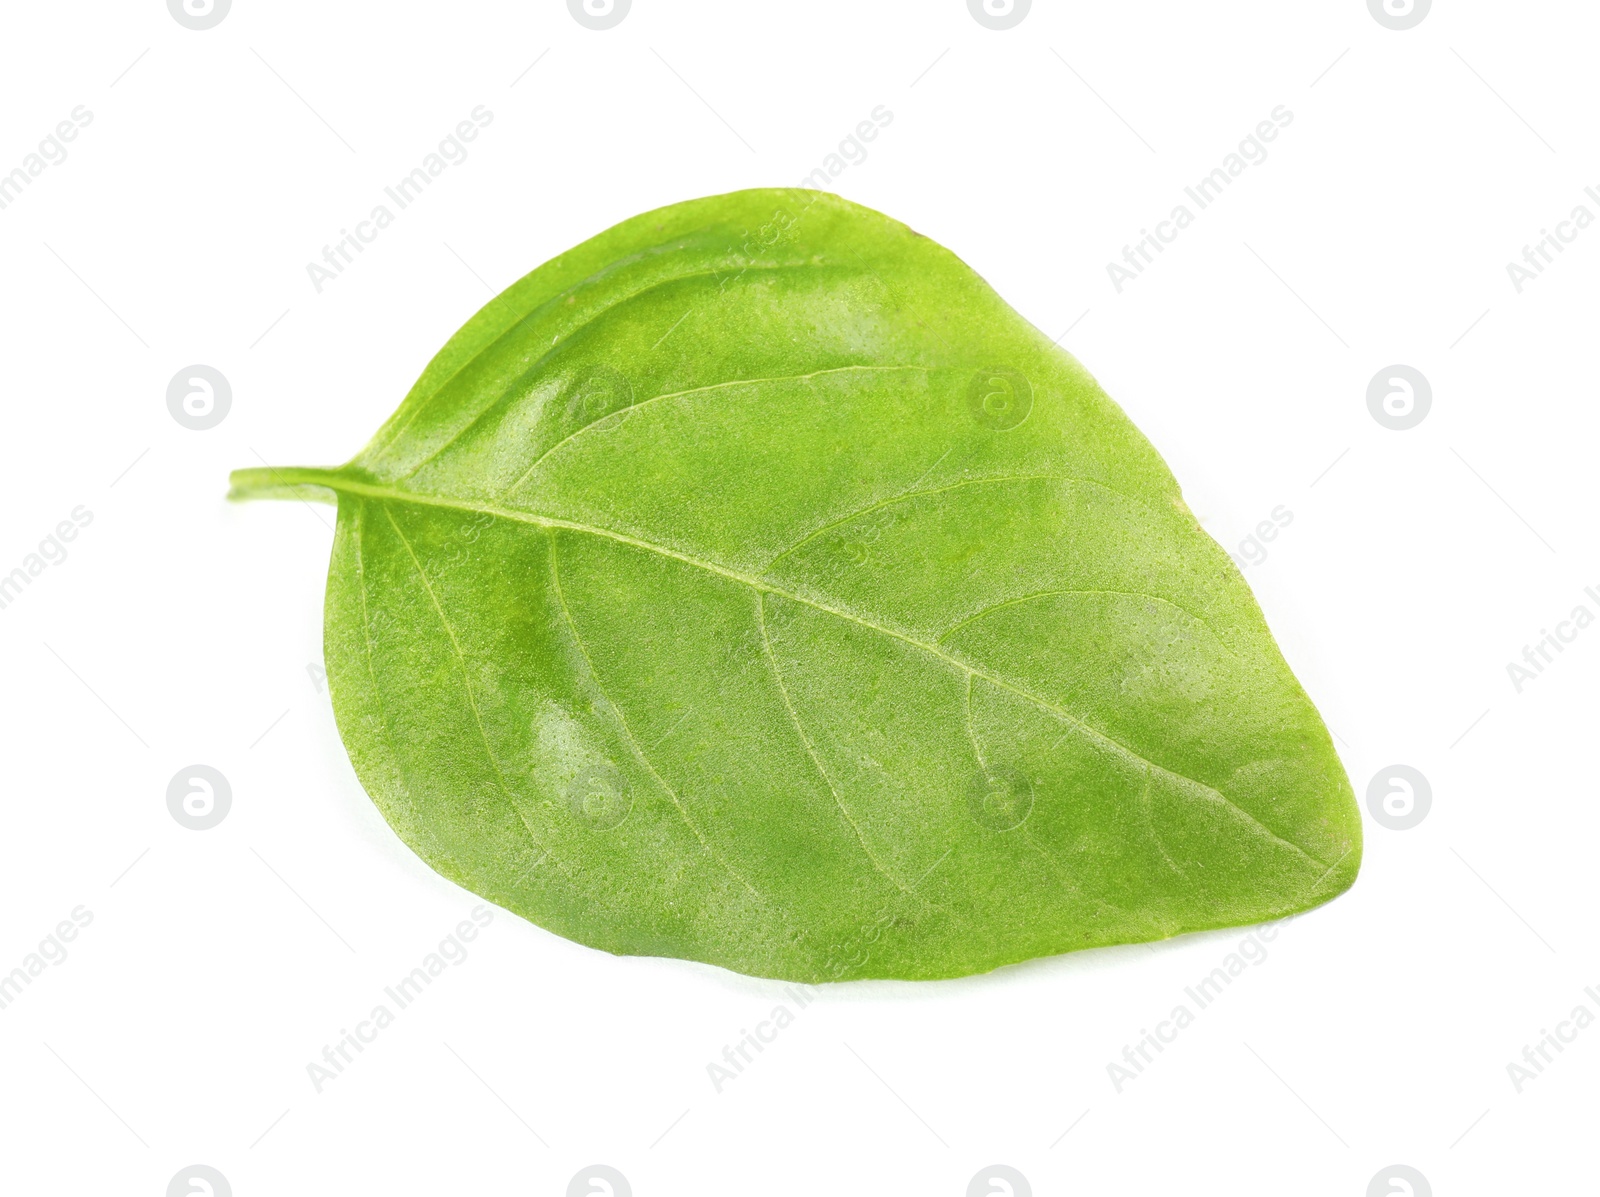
[{"x": 751, "y": 584}]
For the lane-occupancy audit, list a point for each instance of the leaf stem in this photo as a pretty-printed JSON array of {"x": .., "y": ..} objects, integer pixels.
[{"x": 289, "y": 482}]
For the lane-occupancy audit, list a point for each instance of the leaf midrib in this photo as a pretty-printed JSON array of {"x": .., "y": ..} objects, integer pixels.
[{"x": 333, "y": 480}]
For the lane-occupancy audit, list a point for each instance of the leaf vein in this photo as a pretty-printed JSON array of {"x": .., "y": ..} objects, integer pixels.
[
  {"x": 732, "y": 382},
  {"x": 423, "y": 402},
  {"x": 934, "y": 490},
  {"x": 466, "y": 680},
  {"x": 366, "y": 636},
  {"x": 622, "y": 722},
  {"x": 971, "y": 732},
  {"x": 1150, "y": 822},
  {"x": 794, "y": 717},
  {"x": 1041, "y": 594}
]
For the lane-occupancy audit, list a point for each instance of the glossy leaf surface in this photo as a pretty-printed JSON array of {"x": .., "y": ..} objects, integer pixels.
[{"x": 751, "y": 584}]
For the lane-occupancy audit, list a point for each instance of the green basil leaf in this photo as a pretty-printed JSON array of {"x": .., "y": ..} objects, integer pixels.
[{"x": 751, "y": 584}]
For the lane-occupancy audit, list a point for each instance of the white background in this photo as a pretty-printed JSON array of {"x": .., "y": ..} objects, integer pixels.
[{"x": 180, "y": 629}]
